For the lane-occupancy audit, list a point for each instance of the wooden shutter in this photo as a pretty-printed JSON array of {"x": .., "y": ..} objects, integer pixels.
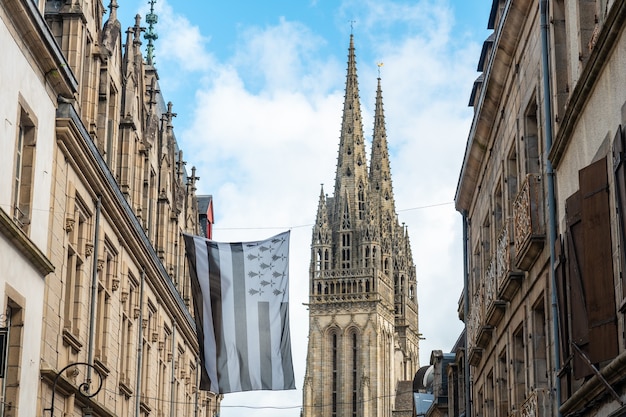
[
  {"x": 619, "y": 169},
  {"x": 597, "y": 265},
  {"x": 578, "y": 312}
]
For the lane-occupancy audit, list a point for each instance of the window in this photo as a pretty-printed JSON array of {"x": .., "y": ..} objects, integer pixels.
[
  {"x": 489, "y": 393},
  {"x": 476, "y": 269},
  {"x": 112, "y": 124},
  {"x": 354, "y": 382},
  {"x": 24, "y": 170},
  {"x": 345, "y": 250},
  {"x": 589, "y": 285},
  {"x": 502, "y": 385},
  {"x": 539, "y": 345},
  {"x": 318, "y": 261},
  {"x": 588, "y": 29},
  {"x": 519, "y": 367},
  {"x": 497, "y": 209},
  {"x": 129, "y": 314},
  {"x": 79, "y": 247},
  {"x": 14, "y": 357},
  {"x": 560, "y": 55},
  {"x": 480, "y": 404},
  {"x": 361, "y": 199},
  {"x": 486, "y": 242},
  {"x": 107, "y": 283},
  {"x": 335, "y": 370},
  {"x": 531, "y": 140},
  {"x": 512, "y": 176}
]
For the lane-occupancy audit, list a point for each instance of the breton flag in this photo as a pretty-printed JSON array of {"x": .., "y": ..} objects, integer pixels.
[{"x": 241, "y": 302}]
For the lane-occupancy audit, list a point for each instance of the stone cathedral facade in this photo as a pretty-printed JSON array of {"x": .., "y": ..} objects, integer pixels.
[{"x": 363, "y": 314}]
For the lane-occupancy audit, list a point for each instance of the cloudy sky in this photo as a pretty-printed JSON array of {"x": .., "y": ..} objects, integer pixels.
[{"x": 258, "y": 88}]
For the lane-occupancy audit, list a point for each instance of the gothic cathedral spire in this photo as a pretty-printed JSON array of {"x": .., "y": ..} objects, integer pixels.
[
  {"x": 363, "y": 333},
  {"x": 381, "y": 191},
  {"x": 351, "y": 175}
]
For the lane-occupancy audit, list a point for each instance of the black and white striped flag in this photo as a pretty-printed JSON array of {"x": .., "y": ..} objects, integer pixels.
[{"x": 241, "y": 302}]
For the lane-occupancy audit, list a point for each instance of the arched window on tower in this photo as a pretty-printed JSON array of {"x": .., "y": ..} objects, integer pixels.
[
  {"x": 354, "y": 382},
  {"x": 361, "y": 200},
  {"x": 345, "y": 251},
  {"x": 374, "y": 255},
  {"x": 326, "y": 259},
  {"x": 335, "y": 368},
  {"x": 318, "y": 261}
]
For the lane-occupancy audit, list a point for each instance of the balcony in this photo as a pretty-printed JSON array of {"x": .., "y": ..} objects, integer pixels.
[
  {"x": 494, "y": 307},
  {"x": 475, "y": 327},
  {"x": 538, "y": 404},
  {"x": 529, "y": 223},
  {"x": 351, "y": 285},
  {"x": 508, "y": 277}
]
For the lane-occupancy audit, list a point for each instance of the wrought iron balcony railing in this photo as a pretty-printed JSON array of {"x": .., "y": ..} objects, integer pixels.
[{"x": 529, "y": 221}]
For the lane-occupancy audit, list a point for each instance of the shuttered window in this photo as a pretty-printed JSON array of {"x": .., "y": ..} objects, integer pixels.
[
  {"x": 598, "y": 281},
  {"x": 588, "y": 289},
  {"x": 578, "y": 312}
]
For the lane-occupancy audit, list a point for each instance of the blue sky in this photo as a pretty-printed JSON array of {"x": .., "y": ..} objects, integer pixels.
[{"x": 258, "y": 89}]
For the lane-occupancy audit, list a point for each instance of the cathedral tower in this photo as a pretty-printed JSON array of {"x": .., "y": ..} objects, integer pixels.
[{"x": 363, "y": 318}]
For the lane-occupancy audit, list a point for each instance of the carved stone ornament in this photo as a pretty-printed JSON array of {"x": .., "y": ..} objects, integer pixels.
[
  {"x": 69, "y": 224},
  {"x": 100, "y": 264},
  {"x": 124, "y": 295},
  {"x": 88, "y": 249},
  {"x": 115, "y": 284},
  {"x": 180, "y": 196}
]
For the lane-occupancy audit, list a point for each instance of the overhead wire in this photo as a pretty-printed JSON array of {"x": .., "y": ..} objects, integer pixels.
[
  {"x": 312, "y": 224},
  {"x": 264, "y": 407}
]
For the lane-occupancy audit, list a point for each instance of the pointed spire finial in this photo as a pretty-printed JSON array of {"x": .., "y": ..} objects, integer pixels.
[
  {"x": 352, "y": 22},
  {"x": 379, "y": 64},
  {"x": 113, "y": 10},
  {"x": 137, "y": 29},
  {"x": 151, "y": 35}
]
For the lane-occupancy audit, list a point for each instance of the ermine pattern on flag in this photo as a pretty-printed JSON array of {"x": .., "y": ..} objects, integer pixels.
[{"x": 241, "y": 297}]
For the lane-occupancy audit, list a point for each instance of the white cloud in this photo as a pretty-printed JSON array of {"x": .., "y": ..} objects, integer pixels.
[
  {"x": 265, "y": 134},
  {"x": 180, "y": 42}
]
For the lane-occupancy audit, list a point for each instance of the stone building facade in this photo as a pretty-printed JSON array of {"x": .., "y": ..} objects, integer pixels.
[
  {"x": 542, "y": 192},
  {"x": 95, "y": 198},
  {"x": 363, "y": 327}
]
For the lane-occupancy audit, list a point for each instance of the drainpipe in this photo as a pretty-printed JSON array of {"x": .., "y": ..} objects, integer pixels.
[
  {"x": 195, "y": 413},
  {"x": 173, "y": 383},
  {"x": 468, "y": 390},
  {"x": 139, "y": 346},
  {"x": 547, "y": 99},
  {"x": 94, "y": 290}
]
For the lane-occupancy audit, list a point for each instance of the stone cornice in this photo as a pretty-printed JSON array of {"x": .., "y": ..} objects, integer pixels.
[
  {"x": 35, "y": 33},
  {"x": 490, "y": 101}
]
